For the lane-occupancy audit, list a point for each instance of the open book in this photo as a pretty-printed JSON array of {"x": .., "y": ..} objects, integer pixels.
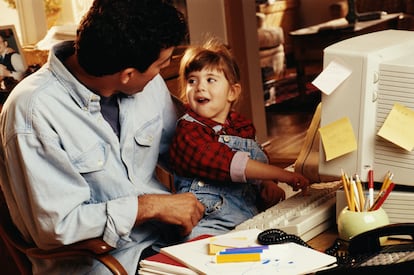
[{"x": 287, "y": 258}]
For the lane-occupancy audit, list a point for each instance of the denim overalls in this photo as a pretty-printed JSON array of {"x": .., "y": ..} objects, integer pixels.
[{"x": 227, "y": 203}]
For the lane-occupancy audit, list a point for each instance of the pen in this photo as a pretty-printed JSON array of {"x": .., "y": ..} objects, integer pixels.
[
  {"x": 382, "y": 197},
  {"x": 371, "y": 187}
]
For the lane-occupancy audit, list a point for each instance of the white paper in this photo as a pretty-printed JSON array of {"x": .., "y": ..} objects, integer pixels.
[{"x": 288, "y": 258}]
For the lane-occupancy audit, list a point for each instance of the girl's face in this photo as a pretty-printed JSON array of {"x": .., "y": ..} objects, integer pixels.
[{"x": 210, "y": 95}]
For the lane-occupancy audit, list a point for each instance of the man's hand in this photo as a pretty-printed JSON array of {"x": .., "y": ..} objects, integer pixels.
[{"x": 179, "y": 209}]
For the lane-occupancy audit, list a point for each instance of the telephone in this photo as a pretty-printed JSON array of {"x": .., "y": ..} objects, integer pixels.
[{"x": 363, "y": 254}]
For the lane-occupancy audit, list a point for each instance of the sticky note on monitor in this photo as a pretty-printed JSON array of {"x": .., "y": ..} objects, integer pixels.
[
  {"x": 338, "y": 138},
  {"x": 331, "y": 77},
  {"x": 397, "y": 127}
]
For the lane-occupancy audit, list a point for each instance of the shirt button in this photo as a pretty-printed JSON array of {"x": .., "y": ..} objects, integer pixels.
[
  {"x": 226, "y": 139},
  {"x": 200, "y": 184},
  {"x": 100, "y": 163}
]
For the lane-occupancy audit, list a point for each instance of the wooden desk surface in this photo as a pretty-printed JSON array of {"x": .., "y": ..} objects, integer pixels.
[
  {"x": 327, "y": 238},
  {"x": 324, "y": 240}
]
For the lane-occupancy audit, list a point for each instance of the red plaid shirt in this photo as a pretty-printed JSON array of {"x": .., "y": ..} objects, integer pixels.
[{"x": 196, "y": 151}]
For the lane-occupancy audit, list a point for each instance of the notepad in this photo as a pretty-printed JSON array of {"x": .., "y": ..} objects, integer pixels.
[{"x": 287, "y": 258}]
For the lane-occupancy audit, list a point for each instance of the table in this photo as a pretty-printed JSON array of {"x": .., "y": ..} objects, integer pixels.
[{"x": 308, "y": 43}]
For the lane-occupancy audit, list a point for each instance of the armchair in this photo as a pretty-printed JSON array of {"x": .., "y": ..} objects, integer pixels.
[
  {"x": 271, "y": 49},
  {"x": 272, "y": 56},
  {"x": 20, "y": 250}
]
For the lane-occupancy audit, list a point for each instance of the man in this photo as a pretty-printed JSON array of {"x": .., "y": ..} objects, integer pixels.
[{"x": 81, "y": 137}]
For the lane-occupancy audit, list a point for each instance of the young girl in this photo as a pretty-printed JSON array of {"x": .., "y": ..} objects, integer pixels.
[{"x": 214, "y": 153}]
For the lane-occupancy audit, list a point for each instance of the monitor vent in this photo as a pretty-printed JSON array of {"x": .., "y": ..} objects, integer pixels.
[{"x": 395, "y": 86}]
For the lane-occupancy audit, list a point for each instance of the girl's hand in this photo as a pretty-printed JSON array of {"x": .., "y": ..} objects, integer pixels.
[
  {"x": 298, "y": 182},
  {"x": 270, "y": 194}
]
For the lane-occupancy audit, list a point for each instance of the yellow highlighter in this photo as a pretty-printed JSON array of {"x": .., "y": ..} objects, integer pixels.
[{"x": 235, "y": 258}]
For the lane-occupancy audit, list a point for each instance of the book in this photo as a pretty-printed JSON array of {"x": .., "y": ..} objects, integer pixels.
[
  {"x": 160, "y": 264},
  {"x": 286, "y": 258}
]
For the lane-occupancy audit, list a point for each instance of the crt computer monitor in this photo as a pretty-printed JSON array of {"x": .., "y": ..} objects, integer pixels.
[{"x": 382, "y": 65}]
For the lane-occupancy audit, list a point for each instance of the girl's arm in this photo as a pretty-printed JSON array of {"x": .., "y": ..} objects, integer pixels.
[{"x": 262, "y": 171}]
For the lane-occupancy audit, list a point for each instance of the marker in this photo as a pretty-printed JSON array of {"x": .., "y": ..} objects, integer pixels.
[
  {"x": 241, "y": 250},
  {"x": 236, "y": 258}
]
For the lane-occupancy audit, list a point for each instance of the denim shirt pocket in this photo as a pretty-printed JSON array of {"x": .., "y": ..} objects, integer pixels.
[
  {"x": 148, "y": 133},
  {"x": 92, "y": 160}
]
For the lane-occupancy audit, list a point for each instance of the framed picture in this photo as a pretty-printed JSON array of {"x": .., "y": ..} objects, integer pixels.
[{"x": 13, "y": 65}]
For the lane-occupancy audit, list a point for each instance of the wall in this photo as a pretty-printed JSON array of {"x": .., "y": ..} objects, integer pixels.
[
  {"x": 205, "y": 18},
  {"x": 9, "y": 17},
  {"x": 234, "y": 21}
]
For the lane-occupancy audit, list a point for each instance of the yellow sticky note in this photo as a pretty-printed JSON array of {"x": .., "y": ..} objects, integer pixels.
[
  {"x": 398, "y": 127},
  {"x": 338, "y": 138},
  {"x": 213, "y": 249}
]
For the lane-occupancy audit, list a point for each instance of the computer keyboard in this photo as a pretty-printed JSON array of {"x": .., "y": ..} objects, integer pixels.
[{"x": 303, "y": 215}]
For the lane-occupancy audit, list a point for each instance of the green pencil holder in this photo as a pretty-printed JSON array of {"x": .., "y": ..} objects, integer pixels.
[{"x": 352, "y": 223}]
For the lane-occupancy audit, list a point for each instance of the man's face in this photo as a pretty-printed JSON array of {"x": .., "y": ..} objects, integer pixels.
[{"x": 138, "y": 82}]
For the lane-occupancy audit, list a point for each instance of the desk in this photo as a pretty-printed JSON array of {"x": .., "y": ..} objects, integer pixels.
[
  {"x": 324, "y": 240},
  {"x": 308, "y": 43}
]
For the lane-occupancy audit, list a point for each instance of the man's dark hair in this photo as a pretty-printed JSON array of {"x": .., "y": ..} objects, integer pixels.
[{"x": 120, "y": 34}]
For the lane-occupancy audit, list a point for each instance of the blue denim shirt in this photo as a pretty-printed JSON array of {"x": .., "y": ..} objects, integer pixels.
[{"x": 66, "y": 175}]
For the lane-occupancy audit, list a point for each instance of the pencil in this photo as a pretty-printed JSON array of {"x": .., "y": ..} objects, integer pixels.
[
  {"x": 345, "y": 186},
  {"x": 386, "y": 181},
  {"x": 360, "y": 193},
  {"x": 389, "y": 180},
  {"x": 355, "y": 195}
]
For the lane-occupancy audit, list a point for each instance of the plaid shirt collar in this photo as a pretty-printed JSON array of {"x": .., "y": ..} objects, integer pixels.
[{"x": 234, "y": 121}]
